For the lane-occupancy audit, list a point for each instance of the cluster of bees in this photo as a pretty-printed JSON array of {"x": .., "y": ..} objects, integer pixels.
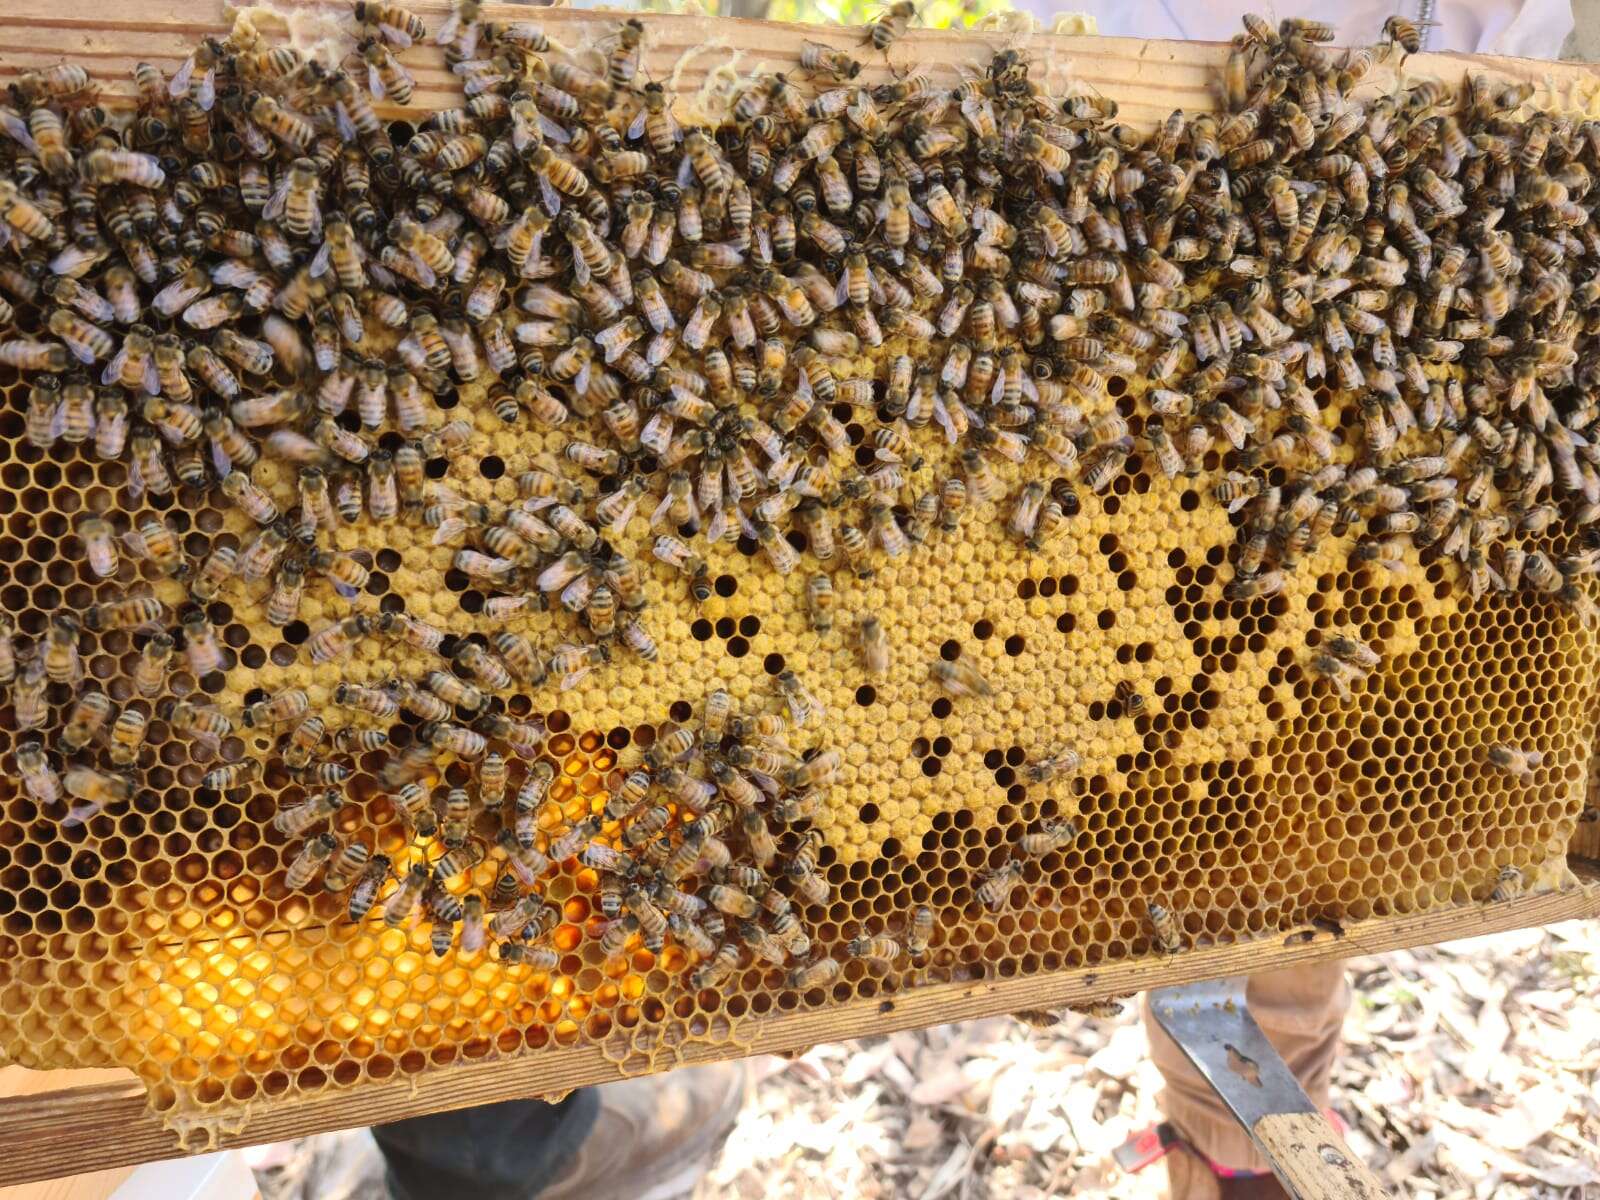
[
  {"x": 685, "y": 843},
  {"x": 825, "y": 329},
  {"x": 1426, "y": 257}
]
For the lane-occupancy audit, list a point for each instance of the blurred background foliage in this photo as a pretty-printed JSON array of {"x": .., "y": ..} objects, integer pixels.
[{"x": 932, "y": 14}]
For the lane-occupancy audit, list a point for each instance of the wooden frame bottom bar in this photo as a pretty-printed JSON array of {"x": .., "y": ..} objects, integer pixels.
[{"x": 89, "y": 1128}]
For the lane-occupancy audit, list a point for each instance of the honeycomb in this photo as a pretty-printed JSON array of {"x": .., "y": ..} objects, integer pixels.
[{"x": 1246, "y": 798}]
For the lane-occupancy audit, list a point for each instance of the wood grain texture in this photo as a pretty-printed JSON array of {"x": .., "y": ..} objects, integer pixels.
[
  {"x": 1148, "y": 79},
  {"x": 17, "y": 1083},
  {"x": 110, "y": 1125},
  {"x": 1312, "y": 1160}
]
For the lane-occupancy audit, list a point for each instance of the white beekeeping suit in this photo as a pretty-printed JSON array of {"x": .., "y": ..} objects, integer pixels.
[{"x": 1525, "y": 28}]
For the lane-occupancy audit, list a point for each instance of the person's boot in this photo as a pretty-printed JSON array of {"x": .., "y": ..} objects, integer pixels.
[{"x": 655, "y": 1136}]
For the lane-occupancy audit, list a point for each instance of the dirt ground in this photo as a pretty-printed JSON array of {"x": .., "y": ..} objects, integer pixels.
[{"x": 1470, "y": 1072}]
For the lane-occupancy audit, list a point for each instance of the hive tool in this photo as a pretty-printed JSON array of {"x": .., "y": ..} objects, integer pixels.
[{"x": 1212, "y": 1024}]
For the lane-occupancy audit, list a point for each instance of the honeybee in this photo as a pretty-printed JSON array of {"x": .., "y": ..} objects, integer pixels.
[
  {"x": 31, "y": 355},
  {"x": 879, "y": 951},
  {"x": 1051, "y": 836},
  {"x": 127, "y": 736},
  {"x": 60, "y": 658},
  {"x": 1508, "y": 884},
  {"x": 338, "y": 638},
  {"x": 994, "y": 891},
  {"x": 405, "y": 900},
  {"x": 961, "y": 679},
  {"x": 87, "y": 342},
  {"x": 1168, "y": 935},
  {"x": 94, "y": 789},
  {"x": 38, "y": 776},
  {"x": 919, "y": 932},
  {"x": 824, "y": 60},
  {"x": 891, "y": 23},
  {"x": 85, "y": 721},
  {"x": 1131, "y": 702},
  {"x": 1404, "y": 33},
  {"x": 205, "y": 725},
  {"x": 392, "y": 22},
  {"x": 316, "y": 852},
  {"x": 122, "y": 166},
  {"x": 1513, "y": 761},
  {"x": 293, "y": 821},
  {"x": 385, "y": 75},
  {"x": 874, "y": 645}
]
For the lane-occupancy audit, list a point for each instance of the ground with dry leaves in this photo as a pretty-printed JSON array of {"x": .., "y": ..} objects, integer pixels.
[{"x": 1470, "y": 1073}]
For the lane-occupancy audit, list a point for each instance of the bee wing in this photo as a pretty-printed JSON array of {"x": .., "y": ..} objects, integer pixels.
[
  {"x": 382, "y": 276},
  {"x": 400, "y": 37},
  {"x": 135, "y": 480},
  {"x": 178, "y": 85},
  {"x": 666, "y": 550},
  {"x": 766, "y": 783},
  {"x": 206, "y": 93},
  {"x": 447, "y": 31},
  {"x": 615, "y": 527},
  {"x": 504, "y": 606},
  {"x": 152, "y": 379},
  {"x": 206, "y": 738},
  {"x": 784, "y": 470},
  {"x": 685, "y": 172},
  {"x": 941, "y": 414},
  {"x": 134, "y": 541},
  {"x": 553, "y": 131},
  {"x": 746, "y": 526},
  {"x": 920, "y": 215},
  {"x": 552, "y": 202},
  {"x": 319, "y": 263},
  {"x": 636, "y": 128},
  {"x": 449, "y": 529},
  {"x": 718, "y": 526},
  {"x": 343, "y": 123},
  {"x": 220, "y": 460},
  {"x": 568, "y": 682},
  {"x": 375, "y": 82},
  {"x": 657, "y": 519},
  {"x": 273, "y": 208},
  {"x": 469, "y": 40},
  {"x": 79, "y": 813},
  {"x": 424, "y": 273},
  {"x": 841, "y": 292},
  {"x": 18, "y": 129}
]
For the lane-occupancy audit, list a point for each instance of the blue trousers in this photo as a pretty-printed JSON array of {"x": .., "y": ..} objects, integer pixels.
[{"x": 505, "y": 1151}]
